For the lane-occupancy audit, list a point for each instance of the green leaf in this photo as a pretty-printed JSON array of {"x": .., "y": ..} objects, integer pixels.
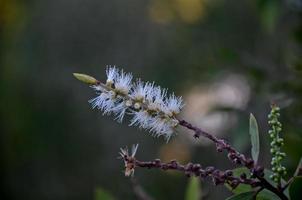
[
  {"x": 269, "y": 13},
  {"x": 101, "y": 194},
  {"x": 267, "y": 195},
  {"x": 243, "y": 196},
  {"x": 193, "y": 191},
  {"x": 242, "y": 187},
  {"x": 295, "y": 188},
  {"x": 254, "y": 138}
]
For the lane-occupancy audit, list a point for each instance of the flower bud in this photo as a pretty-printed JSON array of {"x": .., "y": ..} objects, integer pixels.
[{"x": 86, "y": 78}]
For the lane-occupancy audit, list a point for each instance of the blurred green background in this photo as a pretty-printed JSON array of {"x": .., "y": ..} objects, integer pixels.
[{"x": 226, "y": 58}]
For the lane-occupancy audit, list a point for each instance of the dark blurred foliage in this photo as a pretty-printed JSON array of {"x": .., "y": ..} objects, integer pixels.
[{"x": 53, "y": 146}]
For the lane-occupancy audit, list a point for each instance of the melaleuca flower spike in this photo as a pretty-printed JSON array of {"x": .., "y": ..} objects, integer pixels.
[{"x": 148, "y": 104}]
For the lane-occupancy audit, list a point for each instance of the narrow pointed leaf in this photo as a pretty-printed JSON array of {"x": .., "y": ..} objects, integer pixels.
[
  {"x": 254, "y": 138},
  {"x": 267, "y": 195}
]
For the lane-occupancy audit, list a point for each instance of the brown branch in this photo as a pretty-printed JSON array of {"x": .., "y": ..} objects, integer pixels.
[
  {"x": 221, "y": 144},
  {"x": 217, "y": 176},
  {"x": 273, "y": 189},
  {"x": 236, "y": 157}
]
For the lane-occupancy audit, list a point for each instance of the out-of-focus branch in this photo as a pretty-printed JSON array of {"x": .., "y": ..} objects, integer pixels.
[{"x": 138, "y": 190}]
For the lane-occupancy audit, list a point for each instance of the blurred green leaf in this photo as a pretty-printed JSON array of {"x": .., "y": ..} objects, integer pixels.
[
  {"x": 101, "y": 194},
  {"x": 242, "y": 187},
  {"x": 269, "y": 13},
  {"x": 267, "y": 195},
  {"x": 295, "y": 188},
  {"x": 243, "y": 196},
  {"x": 254, "y": 138},
  {"x": 193, "y": 191},
  {"x": 299, "y": 166}
]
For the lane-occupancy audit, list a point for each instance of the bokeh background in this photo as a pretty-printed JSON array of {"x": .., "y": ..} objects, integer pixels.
[{"x": 226, "y": 58}]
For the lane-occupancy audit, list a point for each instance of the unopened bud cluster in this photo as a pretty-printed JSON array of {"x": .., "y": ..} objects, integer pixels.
[
  {"x": 149, "y": 105},
  {"x": 276, "y": 143}
]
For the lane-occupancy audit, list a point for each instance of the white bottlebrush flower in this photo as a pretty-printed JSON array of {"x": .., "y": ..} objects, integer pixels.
[
  {"x": 148, "y": 104},
  {"x": 123, "y": 83}
]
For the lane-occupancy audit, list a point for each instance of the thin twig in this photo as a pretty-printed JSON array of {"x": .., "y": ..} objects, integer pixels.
[
  {"x": 221, "y": 144},
  {"x": 217, "y": 176}
]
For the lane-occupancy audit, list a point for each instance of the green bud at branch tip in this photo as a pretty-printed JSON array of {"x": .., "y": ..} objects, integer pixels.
[{"x": 86, "y": 78}]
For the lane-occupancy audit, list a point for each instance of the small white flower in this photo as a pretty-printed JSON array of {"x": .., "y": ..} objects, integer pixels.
[
  {"x": 174, "y": 104},
  {"x": 120, "y": 110},
  {"x": 104, "y": 102},
  {"x": 111, "y": 73},
  {"x": 161, "y": 126},
  {"x": 140, "y": 91},
  {"x": 123, "y": 83},
  {"x": 157, "y": 99},
  {"x": 141, "y": 119}
]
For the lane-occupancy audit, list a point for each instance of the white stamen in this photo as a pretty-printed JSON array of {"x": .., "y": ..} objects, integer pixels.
[
  {"x": 111, "y": 73},
  {"x": 123, "y": 83}
]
